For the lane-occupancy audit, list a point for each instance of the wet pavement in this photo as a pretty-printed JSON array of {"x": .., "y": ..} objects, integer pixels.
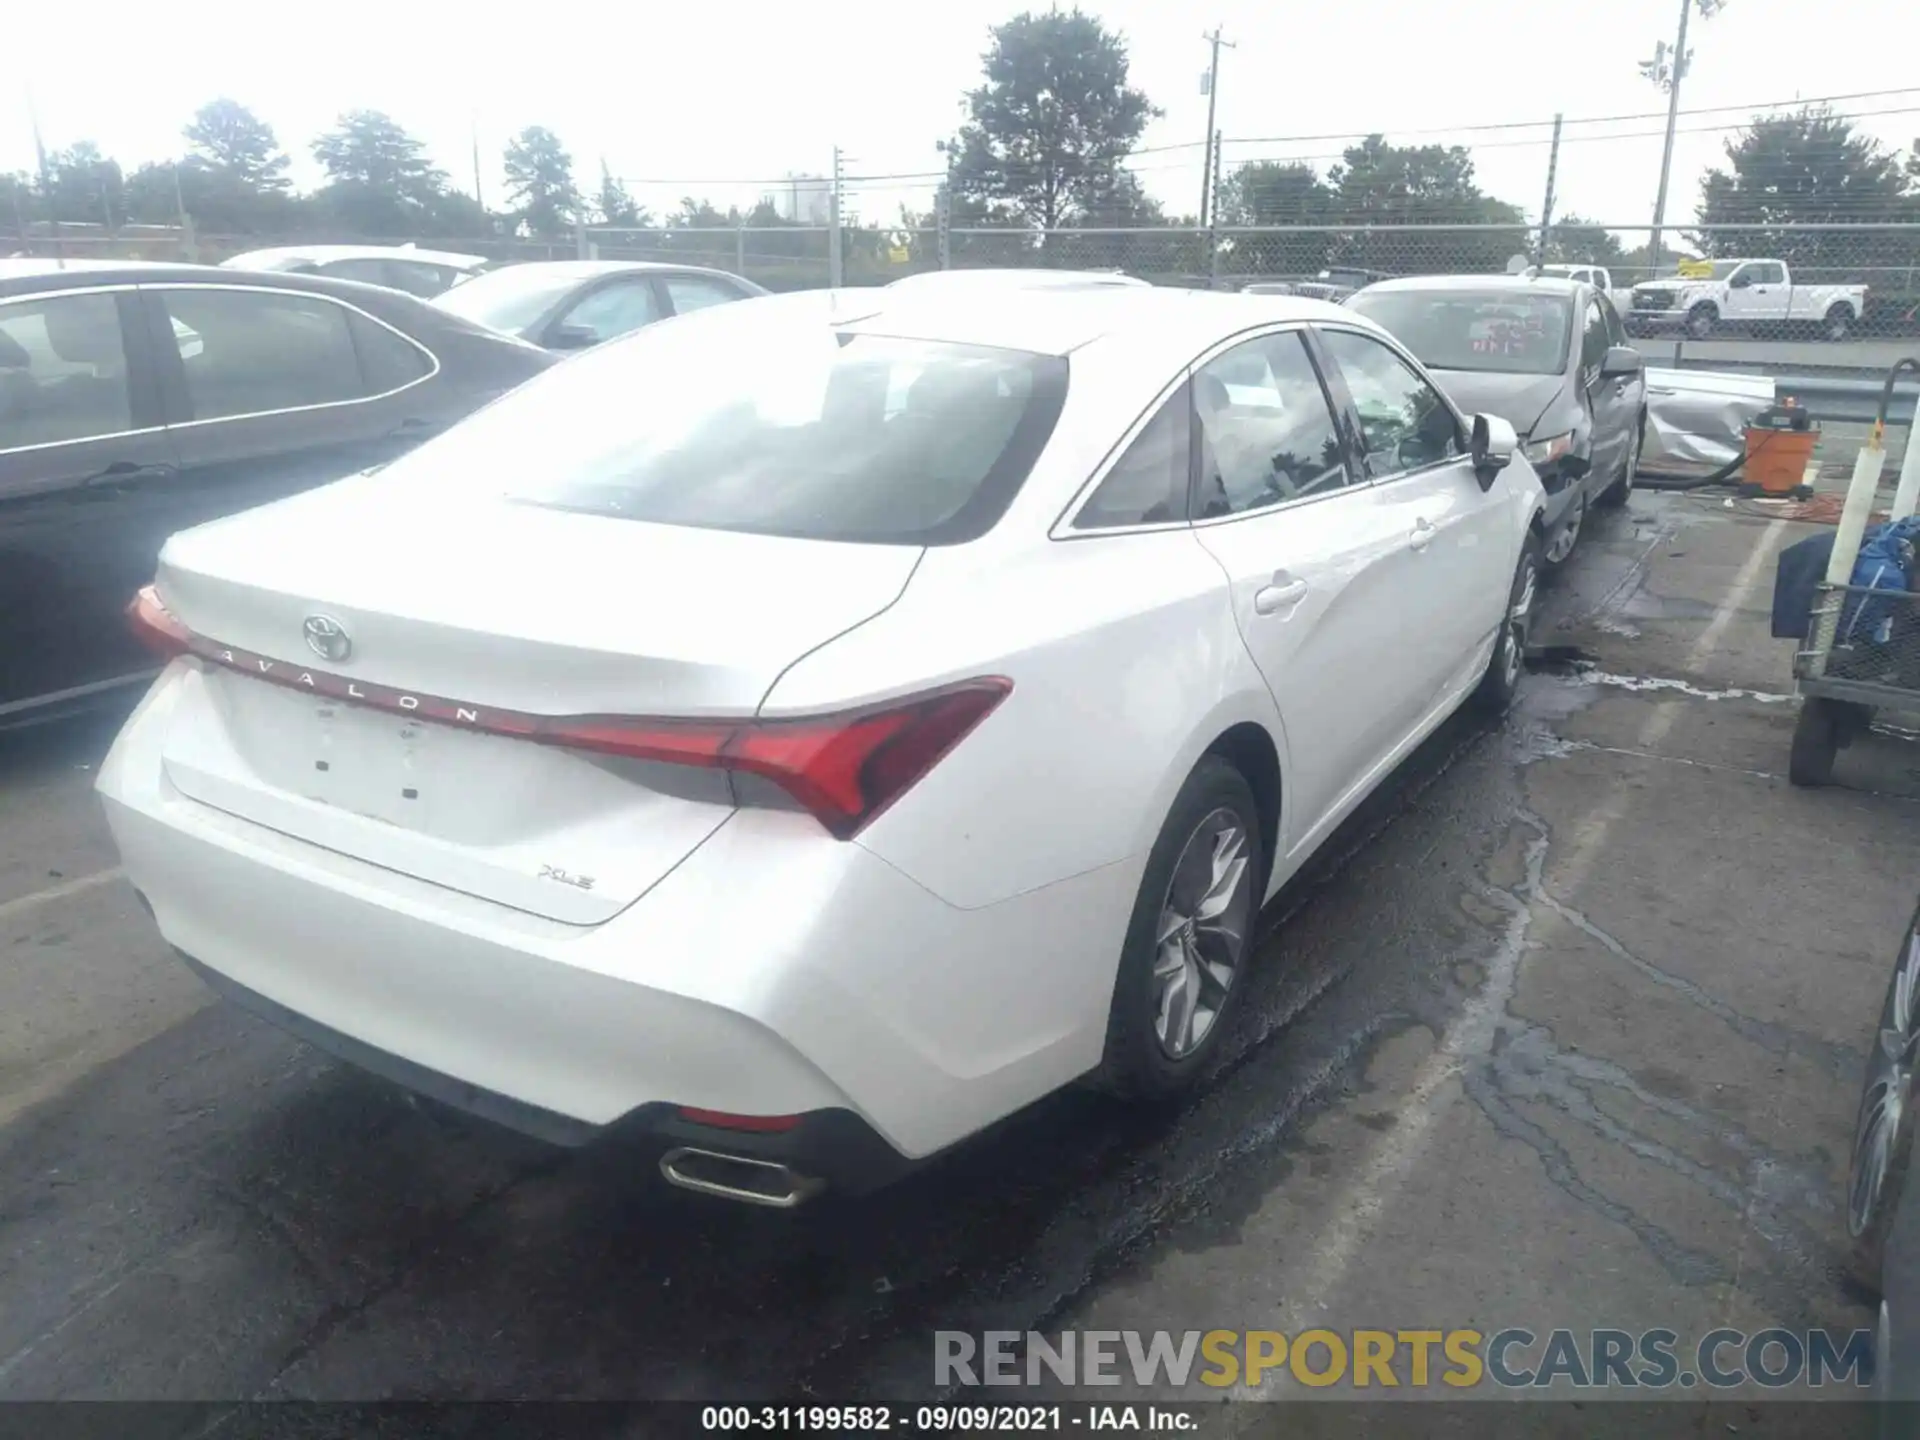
[{"x": 1565, "y": 1027}]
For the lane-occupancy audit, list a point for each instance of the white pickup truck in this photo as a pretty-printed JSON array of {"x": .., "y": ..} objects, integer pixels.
[{"x": 1723, "y": 294}]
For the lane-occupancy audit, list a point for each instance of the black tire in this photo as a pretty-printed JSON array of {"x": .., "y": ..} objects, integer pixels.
[
  {"x": 1816, "y": 740},
  {"x": 1884, "y": 1124},
  {"x": 1137, "y": 1063},
  {"x": 1502, "y": 680},
  {"x": 1621, "y": 490},
  {"x": 1700, "y": 322},
  {"x": 1837, "y": 324}
]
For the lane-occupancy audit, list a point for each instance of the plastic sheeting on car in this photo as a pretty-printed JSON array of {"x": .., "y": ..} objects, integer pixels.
[{"x": 1697, "y": 419}]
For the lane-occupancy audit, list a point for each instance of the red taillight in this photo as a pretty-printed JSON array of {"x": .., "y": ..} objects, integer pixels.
[
  {"x": 720, "y": 1119},
  {"x": 155, "y": 626},
  {"x": 845, "y": 769}
]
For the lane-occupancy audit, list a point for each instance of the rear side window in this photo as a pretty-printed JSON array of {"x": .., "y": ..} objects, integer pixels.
[
  {"x": 695, "y": 292},
  {"x": 63, "y": 371},
  {"x": 767, "y": 421},
  {"x": 417, "y": 277},
  {"x": 246, "y": 351},
  {"x": 387, "y": 361},
  {"x": 368, "y": 270},
  {"x": 1148, "y": 483}
]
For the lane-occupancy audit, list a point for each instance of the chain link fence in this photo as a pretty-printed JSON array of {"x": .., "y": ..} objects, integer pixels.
[{"x": 1321, "y": 260}]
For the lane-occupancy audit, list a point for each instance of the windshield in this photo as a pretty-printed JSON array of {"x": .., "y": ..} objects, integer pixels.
[
  {"x": 765, "y": 419},
  {"x": 1503, "y": 331},
  {"x": 509, "y": 300}
]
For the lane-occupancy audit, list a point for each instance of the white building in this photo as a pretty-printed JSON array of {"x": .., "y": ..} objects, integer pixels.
[{"x": 804, "y": 200}]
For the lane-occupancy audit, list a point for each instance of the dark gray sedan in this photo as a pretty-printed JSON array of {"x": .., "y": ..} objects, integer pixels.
[
  {"x": 572, "y": 304},
  {"x": 1548, "y": 356}
]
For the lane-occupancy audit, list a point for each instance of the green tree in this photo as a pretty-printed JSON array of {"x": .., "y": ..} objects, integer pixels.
[
  {"x": 1275, "y": 193},
  {"x": 616, "y": 206},
  {"x": 380, "y": 182},
  {"x": 229, "y": 137},
  {"x": 1377, "y": 184},
  {"x": 1810, "y": 166},
  {"x": 83, "y": 185},
  {"x": 540, "y": 182},
  {"x": 1573, "y": 241},
  {"x": 1119, "y": 202},
  {"x": 1052, "y": 120},
  {"x": 371, "y": 150}
]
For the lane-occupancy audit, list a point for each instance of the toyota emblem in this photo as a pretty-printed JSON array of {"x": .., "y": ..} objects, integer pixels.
[{"x": 327, "y": 638}]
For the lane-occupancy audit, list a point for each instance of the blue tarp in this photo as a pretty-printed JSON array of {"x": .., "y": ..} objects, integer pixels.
[
  {"x": 1867, "y": 618},
  {"x": 1803, "y": 566}
]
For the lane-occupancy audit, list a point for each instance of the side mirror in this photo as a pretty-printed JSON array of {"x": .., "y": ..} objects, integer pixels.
[
  {"x": 572, "y": 337},
  {"x": 1742, "y": 280},
  {"x": 1492, "y": 448},
  {"x": 1621, "y": 361}
]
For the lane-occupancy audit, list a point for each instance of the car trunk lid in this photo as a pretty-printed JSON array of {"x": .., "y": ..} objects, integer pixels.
[{"x": 372, "y": 649}]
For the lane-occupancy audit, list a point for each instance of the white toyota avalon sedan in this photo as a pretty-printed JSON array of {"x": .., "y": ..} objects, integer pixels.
[{"x": 812, "y": 729}]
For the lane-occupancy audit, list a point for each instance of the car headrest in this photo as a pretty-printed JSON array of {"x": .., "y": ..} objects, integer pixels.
[{"x": 84, "y": 332}]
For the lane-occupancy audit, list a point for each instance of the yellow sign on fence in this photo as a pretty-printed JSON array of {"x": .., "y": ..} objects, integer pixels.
[{"x": 1696, "y": 269}]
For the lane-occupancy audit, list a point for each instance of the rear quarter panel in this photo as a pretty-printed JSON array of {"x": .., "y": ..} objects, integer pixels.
[{"x": 1126, "y": 664}]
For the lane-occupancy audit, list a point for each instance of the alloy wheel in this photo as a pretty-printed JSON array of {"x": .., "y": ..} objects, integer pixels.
[
  {"x": 1889, "y": 1090},
  {"x": 1202, "y": 935}
]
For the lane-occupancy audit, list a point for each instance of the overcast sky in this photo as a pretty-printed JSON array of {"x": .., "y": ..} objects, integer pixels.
[{"x": 714, "y": 100}]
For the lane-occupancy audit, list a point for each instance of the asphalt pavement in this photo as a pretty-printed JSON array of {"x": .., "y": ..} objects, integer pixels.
[{"x": 1564, "y": 1028}]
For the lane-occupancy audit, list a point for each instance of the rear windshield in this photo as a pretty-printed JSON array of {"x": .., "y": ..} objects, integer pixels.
[
  {"x": 1503, "y": 331},
  {"x": 762, "y": 418}
]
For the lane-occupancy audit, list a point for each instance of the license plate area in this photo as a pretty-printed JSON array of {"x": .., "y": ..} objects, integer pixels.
[{"x": 374, "y": 764}]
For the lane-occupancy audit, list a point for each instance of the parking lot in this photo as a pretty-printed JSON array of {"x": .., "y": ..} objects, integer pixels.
[{"x": 1565, "y": 1027}]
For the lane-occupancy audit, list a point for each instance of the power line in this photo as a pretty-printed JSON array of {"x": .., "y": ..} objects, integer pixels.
[{"x": 1587, "y": 120}]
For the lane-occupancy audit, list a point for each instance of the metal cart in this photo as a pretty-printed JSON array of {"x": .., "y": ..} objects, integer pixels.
[
  {"x": 1862, "y": 651},
  {"x": 1862, "y": 656}
]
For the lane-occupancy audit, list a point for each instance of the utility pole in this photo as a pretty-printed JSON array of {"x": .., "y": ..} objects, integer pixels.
[
  {"x": 473, "y": 131},
  {"x": 1546, "y": 206},
  {"x": 1673, "y": 116},
  {"x": 835, "y": 277},
  {"x": 46, "y": 181},
  {"x": 189, "y": 244},
  {"x": 1670, "y": 72},
  {"x": 943, "y": 207},
  {"x": 1210, "y": 85},
  {"x": 1213, "y": 224}
]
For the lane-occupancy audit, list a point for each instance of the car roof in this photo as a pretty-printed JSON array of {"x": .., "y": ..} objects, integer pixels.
[
  {"x": 1511, "y": 284},
  {"x": 354, "y": 252},
  {"x": 36, "y": 276},
  {"x": 1023, "y": 278},
  {"x": 588, "y": 269},
  {"x": 1055, "y": 321}
]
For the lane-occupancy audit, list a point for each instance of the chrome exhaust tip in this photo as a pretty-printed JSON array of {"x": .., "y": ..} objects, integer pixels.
[{"x": 737, "y": 1177}]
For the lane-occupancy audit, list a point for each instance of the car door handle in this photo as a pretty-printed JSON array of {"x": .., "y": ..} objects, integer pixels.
[
  {"x": 1422, "y": 535},
  {"x": 1272, "y": 598}
]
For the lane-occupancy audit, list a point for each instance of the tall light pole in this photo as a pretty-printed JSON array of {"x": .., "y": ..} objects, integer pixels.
[
  {"x": 1211, "y": 85},
  {"x": 1667, "y": 72}
]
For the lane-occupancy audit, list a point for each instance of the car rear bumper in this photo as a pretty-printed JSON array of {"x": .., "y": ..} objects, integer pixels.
[{"x": 773, "y": 972}]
